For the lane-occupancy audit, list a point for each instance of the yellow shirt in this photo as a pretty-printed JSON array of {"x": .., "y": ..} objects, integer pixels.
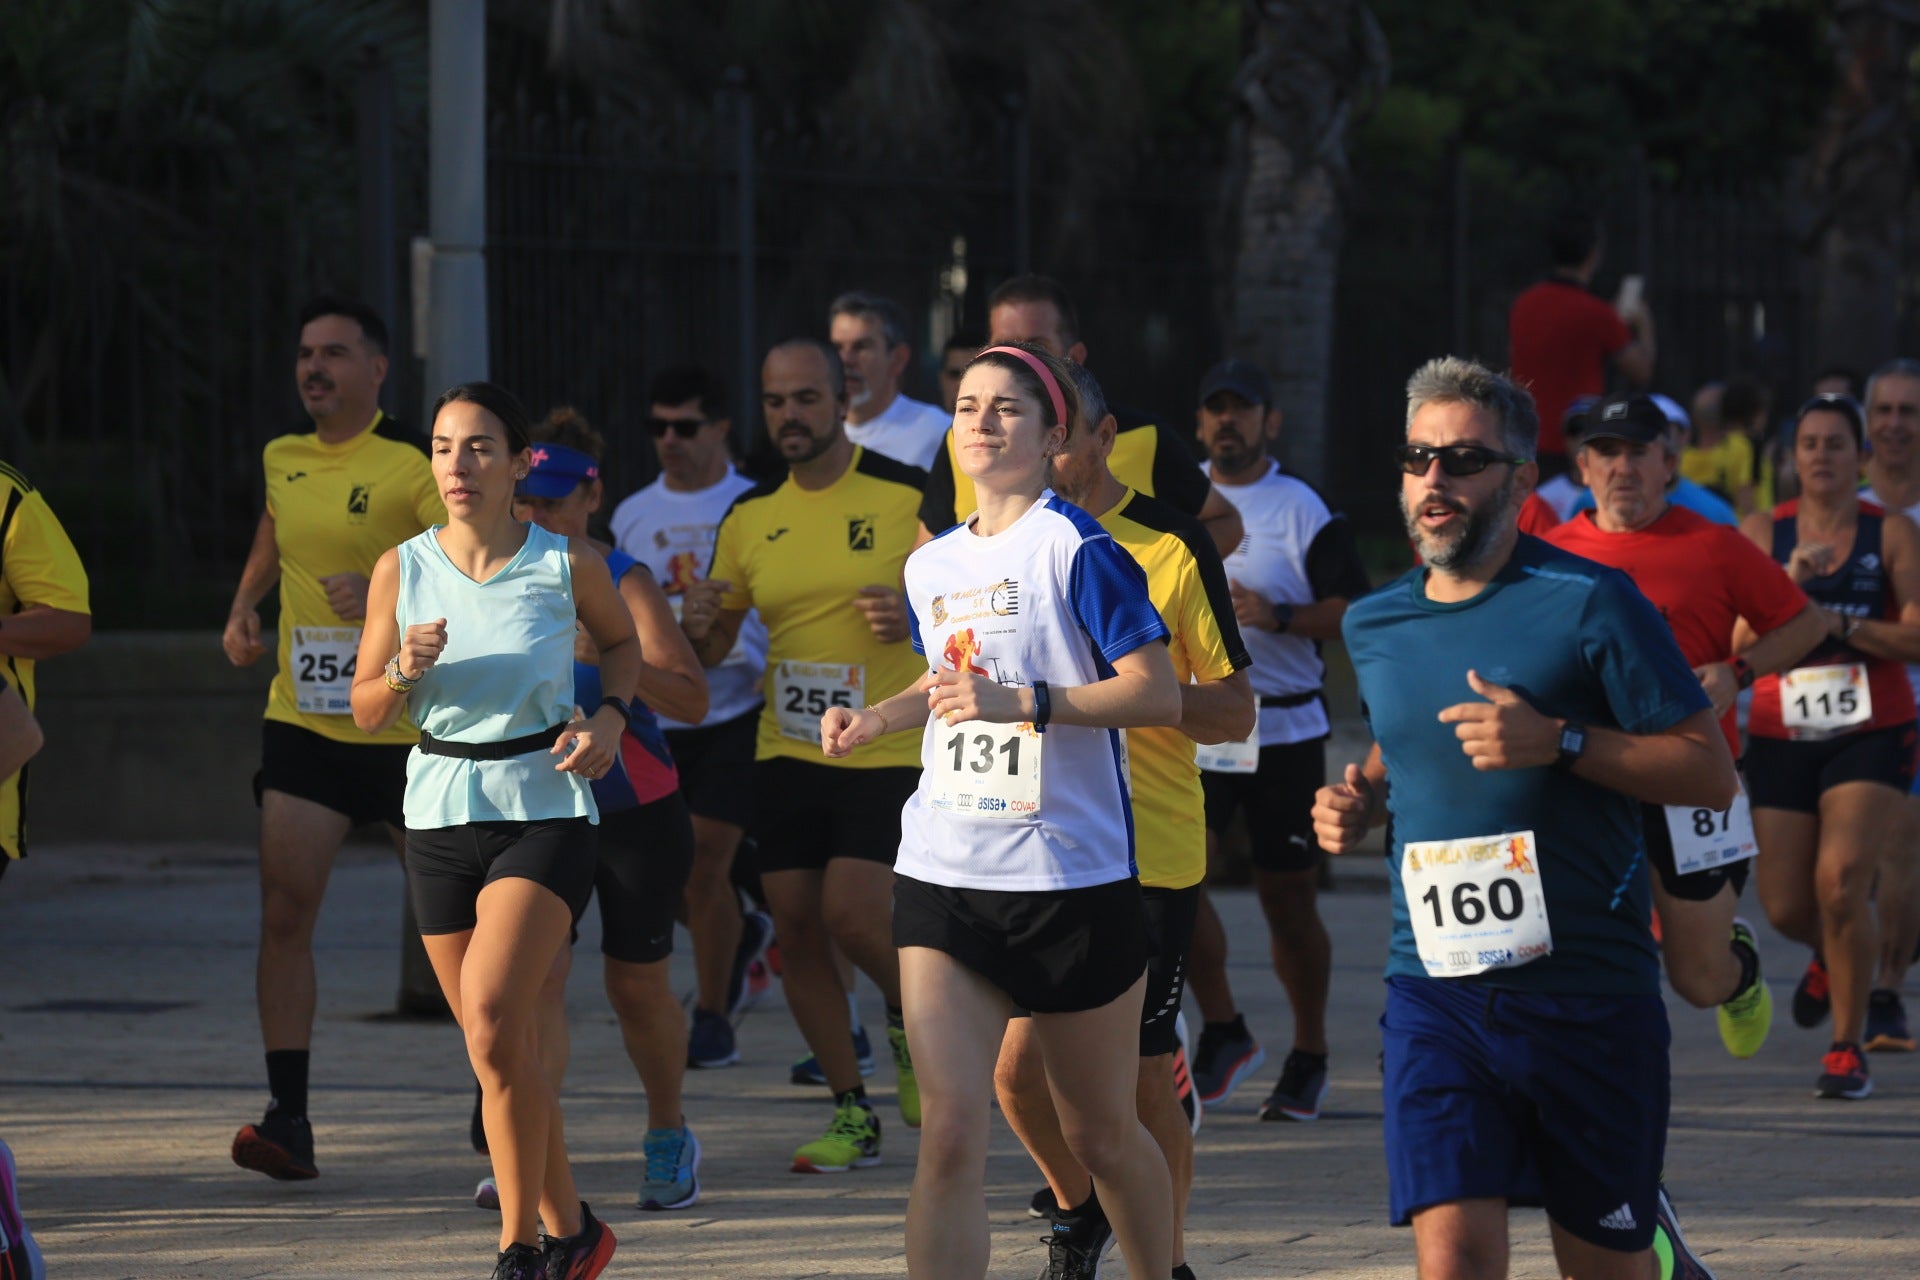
[
  {"x": 38, "y": 566},
  {"x": 799, "y": 556},
  {"x": 1188, "y": 585},
  {"x": 337, "y": 508},
  {"x": 1726, "y": 468}
]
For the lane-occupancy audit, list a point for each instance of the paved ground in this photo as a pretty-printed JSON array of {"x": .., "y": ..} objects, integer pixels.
[{"x": 128, "y": 1056}]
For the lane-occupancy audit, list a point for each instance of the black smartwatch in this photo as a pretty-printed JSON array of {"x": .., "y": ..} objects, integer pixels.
[
  {"x": 626, "y": 712},
  {"x": 1282, "y": 618},
  {"x": 1042, "y": 706},
  {"x": 1573, "y": 745}
]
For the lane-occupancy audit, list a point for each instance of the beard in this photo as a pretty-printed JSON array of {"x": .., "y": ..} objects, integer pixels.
[
  {"x": 812, "y": 448},
  {"x": 1231, "y": 454},
  {"x": 1464, "y": 551}
]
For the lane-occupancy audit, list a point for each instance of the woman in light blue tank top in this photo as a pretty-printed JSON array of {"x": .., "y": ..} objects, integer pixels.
[{"x": 471, "y": 625}]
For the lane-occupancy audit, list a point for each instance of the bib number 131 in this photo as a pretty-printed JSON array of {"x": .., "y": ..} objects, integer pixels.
[{"x": 986, "y": 770}]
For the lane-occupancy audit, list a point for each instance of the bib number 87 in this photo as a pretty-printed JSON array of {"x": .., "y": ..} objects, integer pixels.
[
  {"x": 325, "y": 668},
  {"x": 1503, "y": 898},
  {"x": 815, "y": 701}
]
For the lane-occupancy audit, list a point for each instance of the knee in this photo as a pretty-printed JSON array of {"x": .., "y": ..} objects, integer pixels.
[
  {"x": 1017, "y": 1074},
  {"x": 711, "y": 871},
  {"x": 287, "y": 910},
  {"x": 1289, "y": 903},
  {"x": 1695, "y": 987},
  {"x": 953, "y": 1145},
  {"x": 495, "y": 1041},
  {"x": 1101, "y": 1147},
  {"x": 1793, "y": 915},
  {"x": 637, "y": 991},
  {"x": 1841, "y": 889},
  {"x": 848, "y": 923}
]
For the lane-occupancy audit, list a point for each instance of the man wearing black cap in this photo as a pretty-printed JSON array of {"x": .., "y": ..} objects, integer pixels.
[
  {"x": 1704, "y": 577},
  {"x": 1291, "y": 577}
]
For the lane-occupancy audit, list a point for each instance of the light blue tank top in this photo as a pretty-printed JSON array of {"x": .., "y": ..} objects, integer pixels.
[{"x": 507, "y": 671}]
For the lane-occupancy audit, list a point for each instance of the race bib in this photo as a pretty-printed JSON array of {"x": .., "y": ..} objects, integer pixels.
[
  {"x": 323, "y": 664},
  {"x": 1707, "y": 838},
  {"x": 1476, "y": 904},
  {"x": 1818, "y": 702},
  {"x": 802, "y": 692},
  {"x": 1231, "y": 757},
  {"x": 986, "y": 770}
]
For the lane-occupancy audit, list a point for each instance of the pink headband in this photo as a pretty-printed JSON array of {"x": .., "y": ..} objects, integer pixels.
[{"x": 1039, "y": 366}]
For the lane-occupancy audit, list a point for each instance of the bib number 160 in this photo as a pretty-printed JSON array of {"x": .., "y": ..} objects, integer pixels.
[{"x": 1503, "y": 899}]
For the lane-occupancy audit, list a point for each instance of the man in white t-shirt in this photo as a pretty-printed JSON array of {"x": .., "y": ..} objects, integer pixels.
[
  {"x": 871, "y": 334},
  {"x": 669, "y": 526}
]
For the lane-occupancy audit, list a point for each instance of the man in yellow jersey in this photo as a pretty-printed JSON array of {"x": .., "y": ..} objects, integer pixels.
[
  {"x": 819, "y": 556},
  {"x": 1147, "y": 456},
  {"x": 43, "y": 613},
  {"x": 1189, "y": 587},
  {"x": 337, "y": 497}
]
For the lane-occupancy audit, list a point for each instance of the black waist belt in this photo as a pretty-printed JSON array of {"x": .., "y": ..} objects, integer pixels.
[
  {"x": 1278, "y": 700},
  {"x": 541, "y": 741}
]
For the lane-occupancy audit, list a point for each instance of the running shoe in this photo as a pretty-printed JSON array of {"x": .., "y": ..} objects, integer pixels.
[
  {"x": 1843, "y": 1073},
  {"x": 710, "y": 1041},
  {"x": 759, "y": 982},
  {"x": 1044, "y": 1203},
  {"x": 1748, "y": 1016},
  {"x": 1677, "y": 1261},
  {"x": 852, "y": 1141},
  {"x": 1076, "y": 1246},
  {"x": 1183, "y": 1076},
  {"x": 756, "y": 932},
  {"x": 673, "y": 1169},
  {"x": 19, "y": 1255},
  {"x": 279, "y": 1146},
  {"x": 1811, "y": 999},
  {"x": 580, "y": 1256},
  {"x": 908, "y": 1083},
  {"x": 1301, "y": 1090},
  {"x": 807, "y": 1070},
  {"x": 520, "y": 1262},
  {"x": 1887, "y": 1030},
  {"x": 1184, "y": 1272},
  {"x": 1228, "y": 1054},
  {"x": 487, "y": 1194}
]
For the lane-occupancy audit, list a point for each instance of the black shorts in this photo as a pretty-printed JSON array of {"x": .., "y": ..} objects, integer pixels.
[
  {"x": 805, "y": 815},
  {"x": 1279, "y": 801},
  {"x": 365, "y": 781},
  {"x": 448, "y": 866},
  {"x": 1171, "y": 914},
  {"x": 716, "y": 765},
  {"x": 1064, "y": 951},
  {"x": 1695, "y": 886},
  {"x": 1794, "y": 775},
  {"x": 645, "y": 855}
]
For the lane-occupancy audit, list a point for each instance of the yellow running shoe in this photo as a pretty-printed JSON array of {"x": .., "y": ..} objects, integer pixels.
[
  {"x": 903, "y": 1068},
  {"x": 1746, "y": 1019},
  {"x": 852, "y": 1141}
]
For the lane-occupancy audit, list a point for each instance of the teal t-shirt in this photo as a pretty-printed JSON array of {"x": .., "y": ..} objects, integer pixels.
[{"x": 1574, "y": 639}]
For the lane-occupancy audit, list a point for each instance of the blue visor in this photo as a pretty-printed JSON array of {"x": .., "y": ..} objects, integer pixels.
[{"x": 557, "y": 471}]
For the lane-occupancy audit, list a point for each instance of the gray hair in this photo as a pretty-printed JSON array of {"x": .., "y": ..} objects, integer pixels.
[
  {"x": 891, "y": 315},
  {"x": 1898, "y": 367},
  {"x": 1093, "y": 401},
  {"x": 1452, "y": 380}
]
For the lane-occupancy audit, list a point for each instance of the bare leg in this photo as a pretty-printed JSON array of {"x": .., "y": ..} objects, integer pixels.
[
  {"x": 654, "y": 1029},
  {"x": 1302, "y": 952},
  {"x": 1462, "y": 1240},
  {"x": 713, "y": 910},
  {"x": 1158, "y": 1102},
  {"x": 857, "y": 906},
  {"x": 298, "y": 842},
  {"x": 1020, "y": 1083},
  {"x": 1899, "y": 900},
  {"x": 1855, "y": 817},
  {"x": 814, "y": 993},
  {"x": 1207, "y": 959},
  {"x": 1694, "y": 943},
  {"x": 1783, "y": 873}
]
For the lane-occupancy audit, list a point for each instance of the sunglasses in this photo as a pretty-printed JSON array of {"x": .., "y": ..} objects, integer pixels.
[
  {"x": 1455, "y": 459},
  {"x": 685, "y": 428}
]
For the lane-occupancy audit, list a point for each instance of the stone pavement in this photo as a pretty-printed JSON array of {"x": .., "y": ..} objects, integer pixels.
[{"x": 129, "y": 1055}]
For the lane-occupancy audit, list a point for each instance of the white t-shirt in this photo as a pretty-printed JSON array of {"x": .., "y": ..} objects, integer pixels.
[
  {"x": 1042, "y": 600},
  {"x": 671, "y": 532},
  {"x": 1561, "y": 493},
  {"x": 909, "y": 431}
]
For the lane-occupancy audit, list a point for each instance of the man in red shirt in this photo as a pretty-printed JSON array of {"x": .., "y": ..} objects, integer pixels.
[
  {"x": 1560, "y": 337},
  {"x": 1704, "y": 578}
]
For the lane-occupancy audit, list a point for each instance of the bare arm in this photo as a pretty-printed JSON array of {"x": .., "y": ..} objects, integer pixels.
[
  {"x": 844, "y": 728},
  {"x": 1344, "y": 812},
  {"x": 1219, "y": 710},
  {"x": 672, "y": 681},
  {"x": 711, "y": 629},
  {"x": 1223, "y": 522},
  {"x": 20, "y": 736},
  {"x": 1880, "y": 637},
  {"x": 241, "y": 640},
  {"x": 1317, "y": 621},
  {"x": 1777, "y": 650},
  {"x": 42, "y": 631},
  {"x": 376, "y": 705}
]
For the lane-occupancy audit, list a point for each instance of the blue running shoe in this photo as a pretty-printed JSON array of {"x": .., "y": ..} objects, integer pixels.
[
  {"x": 673, "y": 1169},
  {"x": 710, "y": 1041},
  {"x": 807, "y": 1070},
  {"x": 19, "y": 1255}
]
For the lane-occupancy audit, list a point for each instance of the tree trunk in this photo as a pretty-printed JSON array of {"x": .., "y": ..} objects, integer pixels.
[
  {"x": 1860, "y": 179},
  {"x": 1310, "y": 69}
]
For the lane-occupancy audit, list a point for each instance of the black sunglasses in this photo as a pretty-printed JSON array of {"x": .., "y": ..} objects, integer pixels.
[
  {"x": 1455, "y": 459},
  {"x": 685, "y": 428}
]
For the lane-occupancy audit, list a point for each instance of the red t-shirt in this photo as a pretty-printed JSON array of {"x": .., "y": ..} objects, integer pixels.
[
  {"x": 1537, "y": 516},
  {"x": 1558, "y": 339},
  {"x": 1700, "y": 575}
]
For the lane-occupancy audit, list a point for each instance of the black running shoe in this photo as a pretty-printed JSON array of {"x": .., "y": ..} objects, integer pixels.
[
  {"x": 1811, "y": 999},
  {"x": 1075, "y": 1248},
  {"x": 476, "y": 1126},
  {"x": 1302, "y": 1088},
  {"x": 580, "y": 1256},
  {"x": 520, "y": 1262},
  {"x": 1044, "y": 1203},
  {"x": 1677, "y": 1260},
  {"x": 279, "y": 1146}
]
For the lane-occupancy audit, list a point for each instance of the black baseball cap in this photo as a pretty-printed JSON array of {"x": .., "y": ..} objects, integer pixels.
[
  {"x": 1634, "y": 418},
  {"x": 1242, "y": 377}
]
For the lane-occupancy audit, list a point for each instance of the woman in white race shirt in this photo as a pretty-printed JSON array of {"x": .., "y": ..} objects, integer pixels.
[{"x": 1016, "y": 879}]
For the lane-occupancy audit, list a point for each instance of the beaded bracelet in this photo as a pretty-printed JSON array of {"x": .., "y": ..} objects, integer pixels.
[{"x": 396, "y": 681}]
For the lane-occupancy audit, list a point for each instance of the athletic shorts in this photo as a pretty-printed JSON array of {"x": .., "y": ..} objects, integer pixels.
[
  {"x": 1171, "y": 915},
  {"x": 1552, "y": 1100},
  {"x": 1059, "y": 951},
  {"x": 714, "y": 762},
  {"x": 646, "y": 853},
  {"x": 805, "y": 815},
  {"x": 365, "y": 781},
  {"x": 1695, "y": 886},
  {"x": 1794, "y": 775},
  {"x": 448, "y": 866},
  {"x": 1278, "y": 797}
]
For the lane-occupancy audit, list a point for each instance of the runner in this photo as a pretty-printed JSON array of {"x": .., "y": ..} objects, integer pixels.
[
  {"x": 1188, "y": 586},
  {"x": 1526, "y": 1041},
  {"x": 819, "y": 556},
  {"x": 1147, "y": 455},
  {"x": 646, "y": 839},
  {"x": 669, "y": 526},
  {"x": 1893, "y": 483},
  {"x": 1704, "y": 578},
  {"x": 870, "y": 332},
  {"x": 472, "y": 625},
  {"x": 1682, "y": 492},
  {"x": 1832, "y": 741},
  {"x": 1016, "y": 883},
  {"x": 20, "y": 1259},
  {"x": 1292, "y": 577},
  {"x": 337, "y": 497}
]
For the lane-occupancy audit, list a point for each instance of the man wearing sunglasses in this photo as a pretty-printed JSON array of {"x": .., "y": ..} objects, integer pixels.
[
  {"x": 670, "y": 526},
  {"x": 1524, "y": 704}
]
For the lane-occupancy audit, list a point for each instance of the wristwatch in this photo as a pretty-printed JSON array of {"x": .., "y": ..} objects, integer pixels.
[
  {"x": 1573, "y": 745},
  {"x": 1742, "y": 671},
  {"x": 1282, "y": 618}
]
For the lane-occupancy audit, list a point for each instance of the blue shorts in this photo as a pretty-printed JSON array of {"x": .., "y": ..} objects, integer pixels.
[{"x": 1548, "y": 1100}]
